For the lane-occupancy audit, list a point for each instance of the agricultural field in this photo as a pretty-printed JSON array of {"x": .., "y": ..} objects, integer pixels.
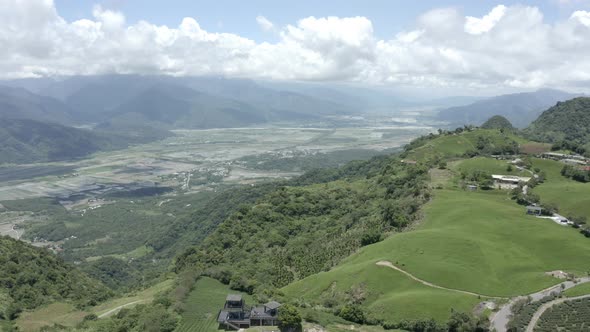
[
  {"x": 203, "y": 305},
  {"x": 567, "y": 316},
  {"x": 196, "y": 160},
  {"x": 468, "y": 241}
]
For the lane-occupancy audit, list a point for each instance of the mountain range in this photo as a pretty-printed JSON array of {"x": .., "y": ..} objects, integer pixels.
[{"x": 519, "y": 108}]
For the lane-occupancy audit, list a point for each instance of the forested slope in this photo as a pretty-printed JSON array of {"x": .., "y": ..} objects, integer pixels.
[{"x": 31, "y": 277}]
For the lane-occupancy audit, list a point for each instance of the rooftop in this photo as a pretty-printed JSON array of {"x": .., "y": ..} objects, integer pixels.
[
  {"x": 272, "y": 305},
  {"x": 234, "y": 298}
]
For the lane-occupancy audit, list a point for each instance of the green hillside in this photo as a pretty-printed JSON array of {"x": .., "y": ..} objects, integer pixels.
[
  {"x": 28, "y": 141},
  {"x": 569, "y": 121},
  {"x": 31, "y": 277},
  {"x": 497, "y": 122},
  {"x": 462, "y": 143}
]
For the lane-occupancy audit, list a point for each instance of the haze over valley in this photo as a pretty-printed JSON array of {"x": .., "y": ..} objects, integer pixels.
[{"x": 312, "y": 166}]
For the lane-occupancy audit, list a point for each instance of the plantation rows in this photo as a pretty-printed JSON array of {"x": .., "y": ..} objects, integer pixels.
[
  {"x": 568, "y": 316},
  {"x": 524, "y": 311}
]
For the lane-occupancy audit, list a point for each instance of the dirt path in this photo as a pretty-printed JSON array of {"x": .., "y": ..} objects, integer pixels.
[
  {"x": 426, "y": 283},
  {"x": 119, "y": 308},
  {"x": 546, "y": 306},
  {"x": 500, "y": 318}
]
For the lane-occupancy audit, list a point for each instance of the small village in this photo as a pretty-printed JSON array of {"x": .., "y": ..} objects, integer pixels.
[{"x": 510, "y": 182}]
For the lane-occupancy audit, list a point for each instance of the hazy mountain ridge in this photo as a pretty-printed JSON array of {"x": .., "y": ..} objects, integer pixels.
[{"x": 519, "y": 108}]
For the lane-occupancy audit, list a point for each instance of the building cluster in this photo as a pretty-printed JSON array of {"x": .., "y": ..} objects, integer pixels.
[{"x": 235, "y": 315}]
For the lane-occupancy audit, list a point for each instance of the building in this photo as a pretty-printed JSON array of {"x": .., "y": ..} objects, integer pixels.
[
  {"x": 236, "y": 315},
  {"x": 508, "y": 181},
  {"x": 534, "y": 210}
]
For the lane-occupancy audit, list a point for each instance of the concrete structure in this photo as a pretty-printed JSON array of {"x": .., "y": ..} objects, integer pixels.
[
  {"x": 508, "y": 181},
  {"x": 235, "y": 315},
  {"x": 534, "y": 210}
]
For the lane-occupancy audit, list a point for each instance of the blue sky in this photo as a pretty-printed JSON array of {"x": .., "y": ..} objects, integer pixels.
[{"x": 388, "y": 16}]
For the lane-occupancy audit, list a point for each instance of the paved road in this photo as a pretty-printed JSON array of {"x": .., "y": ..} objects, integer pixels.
[
  {"x": 546, "y": 306},
  {"x": 426, "y": 283},
  {"x": 501, "y": 318}
]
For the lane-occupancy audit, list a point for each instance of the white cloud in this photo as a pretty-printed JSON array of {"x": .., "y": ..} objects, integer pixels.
[
  {"x": 264, "y": 23},
  {"x": 478, "y": 26},
  {"x": 508, "y": 47}
]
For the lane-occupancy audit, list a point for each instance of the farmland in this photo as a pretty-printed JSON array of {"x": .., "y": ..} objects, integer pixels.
[
  {"x": 567, "y": 316},
  {"x": 192, "y": 156}
]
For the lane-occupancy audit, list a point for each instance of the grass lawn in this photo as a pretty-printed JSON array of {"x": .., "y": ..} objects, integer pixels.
[
  {"x": 571, "y": 197},
  {"x": 203, "y": 305},
  {"x": 490, "y": 165},
  {"x": 578, "y": 290},
  {"x": 475, "y": 241}
]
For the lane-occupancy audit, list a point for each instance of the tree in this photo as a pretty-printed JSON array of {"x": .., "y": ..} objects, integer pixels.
[
  {"x": 290, "y": 318},
  {"x": 352, "y": 313}
]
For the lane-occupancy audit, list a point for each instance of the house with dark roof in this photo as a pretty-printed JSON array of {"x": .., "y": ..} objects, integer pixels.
[{"x": 236, "y": 315}]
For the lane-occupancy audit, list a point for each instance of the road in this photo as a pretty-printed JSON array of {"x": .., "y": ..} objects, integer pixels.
[
  {"x": 548, "y": 305},
  {"x": 112, "y": 311},
  {"x": 426, "y": 283},
  {"x": 501, "y": 318}
]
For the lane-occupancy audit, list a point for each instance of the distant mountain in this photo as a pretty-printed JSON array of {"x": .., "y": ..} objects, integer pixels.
[
  {"x": 497, "y": 122},
  {"x": 18, "y": 103},
  {"x": 520, "y": 108},
  {"x": 27, "y": 141},
  {"x": 31, "y": 277},
  {"x": 183, "y": 102},
  {"x": 569, "y": 121}
]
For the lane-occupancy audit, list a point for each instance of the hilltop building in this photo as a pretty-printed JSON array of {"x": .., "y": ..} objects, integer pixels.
[
  {"x": 235, "y": 315},
  {"x": 508, "y": 181}
]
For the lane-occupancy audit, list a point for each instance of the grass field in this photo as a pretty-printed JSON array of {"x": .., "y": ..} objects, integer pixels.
[
  {"x": 581, "y": 289},
  {"x": 489, "y": 165},
  {"x": 203, "y": 305},
  {"x": 457, "y": 145},
  {"x": 570, "y": 196},
  {"x": 475, "y": 241}
]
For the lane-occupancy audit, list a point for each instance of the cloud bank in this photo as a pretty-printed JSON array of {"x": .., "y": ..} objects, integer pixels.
[{"x": 508, "y": 47}]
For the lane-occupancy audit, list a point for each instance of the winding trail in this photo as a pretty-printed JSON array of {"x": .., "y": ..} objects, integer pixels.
[
  {"x": 426, "y": 283},
  {"x": 548, "y": 305},
  {"x": 501, "y": 318},
  {"x": 119, "y": 308}
]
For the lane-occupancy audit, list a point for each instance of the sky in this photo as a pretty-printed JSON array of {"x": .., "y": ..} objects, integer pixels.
[{"x": 459, "y": 45}]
